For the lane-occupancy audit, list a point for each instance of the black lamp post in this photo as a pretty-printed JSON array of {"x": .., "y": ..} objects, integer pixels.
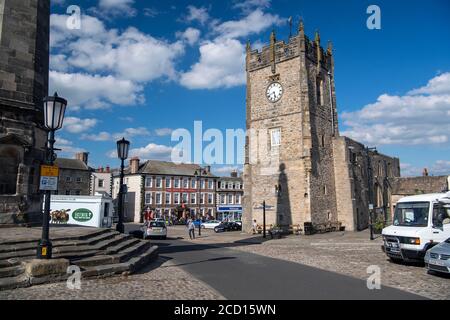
[
  {"x": 199, "y": 174},
  {"x": 54, "y": 109},
  {"x": 122, "y": 152}
]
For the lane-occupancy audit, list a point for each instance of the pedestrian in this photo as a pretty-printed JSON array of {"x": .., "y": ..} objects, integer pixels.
[
  {"x": 254, "y": 226},
  {"x": 191, "y": 228}
]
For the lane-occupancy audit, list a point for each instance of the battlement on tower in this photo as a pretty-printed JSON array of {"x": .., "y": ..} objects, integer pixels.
[{"x": 281, "y": 51}]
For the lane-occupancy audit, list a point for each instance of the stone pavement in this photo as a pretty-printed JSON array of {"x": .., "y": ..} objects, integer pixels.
[
  {"x": 24, "y": 234},
  {"x": 348, "y": 253},
  {"x": 160, "y": 280}
]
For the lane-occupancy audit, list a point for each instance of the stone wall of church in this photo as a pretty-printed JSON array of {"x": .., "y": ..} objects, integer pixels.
[{"x": 24, "y": 56}]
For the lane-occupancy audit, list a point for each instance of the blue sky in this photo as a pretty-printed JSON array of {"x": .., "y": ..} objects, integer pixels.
[{"x": 144, "y": 68}]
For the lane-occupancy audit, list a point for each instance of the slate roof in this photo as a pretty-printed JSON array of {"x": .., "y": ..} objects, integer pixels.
[
  {"x": 73, "y": 164},
  {"x": 168, "y": 168}
]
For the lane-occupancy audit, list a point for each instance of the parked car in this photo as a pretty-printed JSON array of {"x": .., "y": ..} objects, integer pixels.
[
  {"x": 227, "y": 226},
  {"x": 210, "y": 224},
  {"x": 223, "y": 226},
  {"x": 437, "y": 259},
  {"x": 236, "y": 226},
  {"x": 156, "y": 229}
]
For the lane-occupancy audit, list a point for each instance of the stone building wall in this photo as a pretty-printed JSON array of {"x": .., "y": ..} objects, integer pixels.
[
  {"x": 77, "y": 184},
  {"x": 24, "y": 60}
]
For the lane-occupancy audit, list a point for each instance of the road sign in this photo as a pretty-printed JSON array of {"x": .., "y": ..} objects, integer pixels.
[
  {"x": 49, "y": 171},
  {"x": 268, "y": 208},
  {"x": 49, "y": 178}
]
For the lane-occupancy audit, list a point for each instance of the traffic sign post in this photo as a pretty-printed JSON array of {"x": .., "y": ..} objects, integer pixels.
[
  {"x": 264, "y": 207},
  {"x": 49, "y": 178}
]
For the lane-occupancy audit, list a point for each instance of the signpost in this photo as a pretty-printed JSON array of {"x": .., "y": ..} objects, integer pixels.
[
  {"x": 264, "y": 207},
  {"x": 49, "y": 178}
]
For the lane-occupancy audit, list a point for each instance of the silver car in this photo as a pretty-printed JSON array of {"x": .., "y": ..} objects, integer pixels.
[
  {"x": 156, "y": 229},
  {"x": 437, "y": 259}
]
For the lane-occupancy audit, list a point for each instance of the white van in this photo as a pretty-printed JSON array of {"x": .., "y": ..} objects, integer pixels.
[
  {"x": 90, "y": 211},
  {"x": 419, "y": 223}
]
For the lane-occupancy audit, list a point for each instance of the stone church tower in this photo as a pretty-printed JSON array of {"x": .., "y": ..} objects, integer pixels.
[
  {"x": 296, "y": 161},
  {"x": 24, "y": 65},
  {"x": 291, "y": 117}
]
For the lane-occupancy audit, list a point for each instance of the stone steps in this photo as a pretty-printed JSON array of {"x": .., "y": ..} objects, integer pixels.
[
  {"x": 94, "y": 233},
  {"x": 31, "y": 244},
  {"x": 11, "y": 271},
  {"x": 130, "y": 266},
  {"x": 101, "y": 253}
]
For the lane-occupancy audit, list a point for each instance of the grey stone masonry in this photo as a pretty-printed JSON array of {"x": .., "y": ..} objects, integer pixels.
[{"x": 24, "y": 63}]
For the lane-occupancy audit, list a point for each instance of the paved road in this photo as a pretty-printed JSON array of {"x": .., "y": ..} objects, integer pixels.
[{"x": 241, "y": 275}]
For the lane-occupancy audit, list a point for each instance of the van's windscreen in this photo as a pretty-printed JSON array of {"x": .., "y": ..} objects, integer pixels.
[{"x": 411, "y": 214}]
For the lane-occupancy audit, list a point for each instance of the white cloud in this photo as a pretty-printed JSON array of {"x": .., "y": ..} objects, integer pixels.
[
  {"x": 413, "y": 119},
  {"x": 117, "y": 7},
  {"x": 67, "y": 148},
  {"x": 254, "y": 23},
  {"x": 77, "y": 125},
  {"x": 160, "y": 132},
  {"x": 106, "y": 136},
  {"x": 97, "y": 54},
  {"x": 151, "y": 12},
  {"x": 197, "y": 14},
  {"x": 222, "y": 60},
  {"x": 438, "y": 85},
  {"x": 191, "y": 35},
  {"x": 95, "y": 91},
  {"x": 438, "y": 168},
  {"x": 150, "y": 151},
  {"x": 441, "y": 168},
  {"x": 249, "y": 5},
  {"x": 221, "y": 65}
]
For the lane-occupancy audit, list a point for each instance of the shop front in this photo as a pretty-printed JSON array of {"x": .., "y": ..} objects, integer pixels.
[{"x": 229, "y": 212}]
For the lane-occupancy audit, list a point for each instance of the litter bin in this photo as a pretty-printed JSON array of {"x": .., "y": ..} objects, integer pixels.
[{"x": 308, "y": 228}]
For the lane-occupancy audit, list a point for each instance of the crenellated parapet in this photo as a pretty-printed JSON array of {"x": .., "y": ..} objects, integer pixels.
[{"x": 279, "y": 51}]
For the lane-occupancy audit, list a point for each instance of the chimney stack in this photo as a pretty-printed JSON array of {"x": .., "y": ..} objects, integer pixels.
[
  {"x": 234, "y": 174},
  {"x": 134, "y": 165},
  {"x": 108, "y": 169},
  {"x": 82, "y": 156}
]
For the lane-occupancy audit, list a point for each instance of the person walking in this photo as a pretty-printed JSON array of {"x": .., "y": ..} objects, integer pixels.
[
  {"x": 191, "y": 228},
  {"x": 254, "y": 226}
]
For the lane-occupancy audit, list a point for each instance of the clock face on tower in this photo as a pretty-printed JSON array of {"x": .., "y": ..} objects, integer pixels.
[{"x": 274, "y": 92}]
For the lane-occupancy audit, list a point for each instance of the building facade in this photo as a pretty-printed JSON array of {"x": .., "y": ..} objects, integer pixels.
[
  {"x": 24, "y": 65},
  {"x": 229, "y": 193},
  {"x": 168, "y": 189},
  {"x": 101, "y": 181},
  {"x": 295, "y": 159},
  {"x": 74, "y": 175},
  {"x": 409, "y": 186}
]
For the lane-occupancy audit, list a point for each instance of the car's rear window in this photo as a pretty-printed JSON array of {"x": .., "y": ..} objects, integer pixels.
[{"x": 157, "y": 224}]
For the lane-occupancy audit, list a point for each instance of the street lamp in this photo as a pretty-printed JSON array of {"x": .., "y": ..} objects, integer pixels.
[
  {"x": 122, "y": 153},
  {"x": 199, "y": 174},
  {"x": 54, "y": 109}
]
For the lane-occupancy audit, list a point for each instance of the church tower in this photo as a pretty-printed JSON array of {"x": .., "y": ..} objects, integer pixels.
[
  {"x": 24, "y": 65},
  {"x": 291, "y": 121}
]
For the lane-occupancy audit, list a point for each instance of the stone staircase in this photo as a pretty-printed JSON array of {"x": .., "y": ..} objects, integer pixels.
[{"x": 100, "y": 253}]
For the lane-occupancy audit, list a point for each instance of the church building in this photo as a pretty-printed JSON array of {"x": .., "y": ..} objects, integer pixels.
[{"x": 296, "y": 161}]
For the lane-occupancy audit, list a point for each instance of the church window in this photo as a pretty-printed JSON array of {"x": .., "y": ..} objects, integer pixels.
[
  {"x": 275, "y": 137},
  {"x": 319, "y": 91}
]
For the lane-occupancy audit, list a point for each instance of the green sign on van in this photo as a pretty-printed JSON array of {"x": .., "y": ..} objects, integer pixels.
[{"x": 82, "y": 215}]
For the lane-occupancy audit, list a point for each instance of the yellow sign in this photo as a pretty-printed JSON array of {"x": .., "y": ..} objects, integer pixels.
[
  {"x": 49, "y": 171},
  {"x": 44, "y": 251}
]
